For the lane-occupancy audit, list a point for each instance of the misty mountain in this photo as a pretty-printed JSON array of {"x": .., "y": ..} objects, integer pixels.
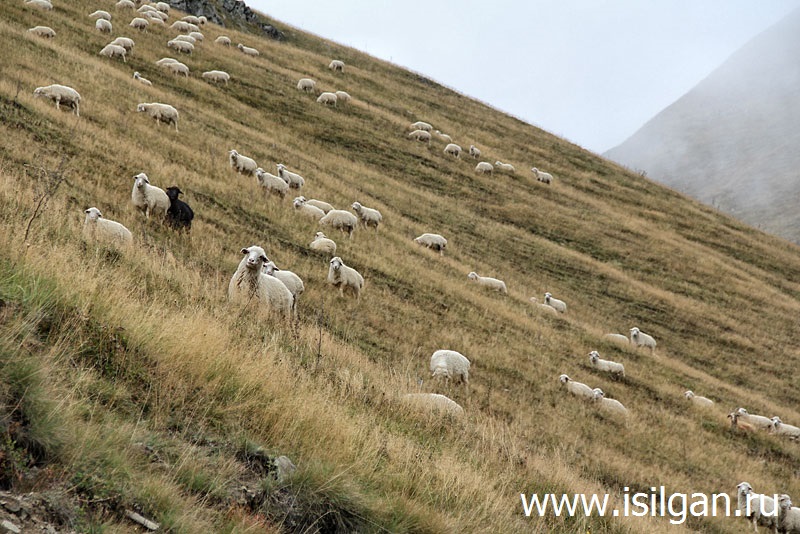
[{"x": 733, "y": 141}]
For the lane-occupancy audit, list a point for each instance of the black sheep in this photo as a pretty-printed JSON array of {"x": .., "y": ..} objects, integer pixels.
[{"x": 179, "y": 214}]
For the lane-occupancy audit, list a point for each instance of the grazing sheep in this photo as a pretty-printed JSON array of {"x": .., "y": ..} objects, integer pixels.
[
  {"x": 491, "y": 283},
  {"x": 782, "y": 429},
  {"x": 559, "y": 305},
  {"x": 344, "y": 277},
  {"x": 619, "y": 339},
  {"x": 203, "y": 20},
  {"x": 191, "y": 19},
  {"x": 250, "y": 284},
  {"x": 294, "y": 180},
  {"x": 100, "y": 14},
  {"x": 450, "y": 364},
  {"x": 160, "y": 113},
  {"x": 183, "y": 26},
  {"x": 369, "y": 216},
  {"x": 543, "y": 177},
  {"x": 242, "y": 164},
  {"x": 544, "y": 307},
  {"x": 734, "y": 417},
  {"x": 41, "y": 4},
  {"x": 223, "y": 40},
  {"x": 145, "y": 8},
  {"x": 186, "y": 38},
  {"x": 421, "y": 135},
  {"x": 247, "y": 50},
  {"x": 306, "y": 84},
  {"x": 156, "y": 17},
  {"x": 179, "y": 214},
  {"x": 181, "y": 46},
  {"x": 474, "y": 151},
  {"x": 443, "y": 136},
  {"x": 61, "y": 94},
  {"x": 336, "y": 65},
  {"x": 96, "y": 227},
  {"x": 162, "y": 6},
  {"x": 640, "y": 339},
  {"x": 433, "y": 401},
  {"x": 139, "y": 23},
  {"x": 125, "y": 4},
  {"x": 324, "y": 206},
  {"x": 197, "y": 36},
  {"x": 343, "y": 97},
  {"x": 453, "y": 150},
  {"x": 327, "y": 98},
  {"x": 112, "y": 51},
  {"x": 145, "y": 81},
  {"x": 43, "y": 31},
  {"x": 758, "y": 422},
  {"x": 616, "y": 369},
  {"x": 788, "y": 516},
  {"x": 432, "y": 241},
  {"x": 341, "y": 220},
  {"x": 216, "y": 76},
  {"x": 484, "y": 167},
  {"x": 610, "y": 405},
  {"x": 419, "y": 125},
  {"x": 175, "y": 66},
  {"x": 758, "y": 508},
  {"x": 697, "y": 400},
  {"x": 578, "y": 389},
  {"x": 292, "y": 282},
  {"x": 125, "y": 42},
  {"x": 271, "y": 183},
  {"x": 507, "y": 167},
  {"x": 149, "y": 199},
  {"x": 312, "y": 211},
  {"x": 323, "y": 244}
]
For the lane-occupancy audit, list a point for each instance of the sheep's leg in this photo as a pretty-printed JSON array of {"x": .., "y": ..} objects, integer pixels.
[{"x": 58, "y": 102}]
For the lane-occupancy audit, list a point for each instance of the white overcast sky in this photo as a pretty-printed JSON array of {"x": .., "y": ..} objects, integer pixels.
[{"x": 591, "y": 71}]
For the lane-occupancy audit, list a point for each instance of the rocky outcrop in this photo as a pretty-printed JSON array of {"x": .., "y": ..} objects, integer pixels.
[{"x": 228, "y": 13}]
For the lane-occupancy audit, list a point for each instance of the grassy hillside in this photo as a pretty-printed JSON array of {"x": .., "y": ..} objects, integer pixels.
[{"x": 129, "y": 383}]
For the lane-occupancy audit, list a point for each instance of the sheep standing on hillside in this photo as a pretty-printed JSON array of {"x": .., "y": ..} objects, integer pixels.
[
  {"x": 336, "y": 65},
  {"x": 140, "y": 24},
  {"x": 484, "y": 167},
  {"x": 782, "y": 429},
  {"x": 420, "y": 135},
  {"x": 43, "y": 31},
  {"x": 543, "y": 307},
  {"x": 321, "y": 204},
  {"x": 616, "y": 369},
  {"x": 181, "y": 46},
  {"x": 271, "y": 183},
  {"x": 619, "y": 339},
  {"x": 179, "y": 214},
  {"x": 474, "y": 151},
  {"x": 61, "y": 94},
  {"x": 96, "y": 227},
  {"x": 323, "y": 244},
  {"x": 306, "y": 84},
  {"x": 294, "y": 180},
  {"x": 144, "y": 81},
  {"x": 486, "y": 281},
  {"x": 640, "y": 339},
  {"x": 579, "y": 389},
  {"x": 125, "y": 42},
  {"x": 292, "y": 282},
  {"x": 369, "y": 216},
  {"x": 125, "y": 4},
  {"x": 758, "y": 422},
  {"x": 149, "y": 199},
  {"x": 327, "y": 98},
  {"x": 343, "y": 97},
  {"x": 419, "y": 125},
  {"x": 341, "y": 220},
  {"x": 788, "y": 521},
  {"x": 223, "y": 40},
  {"x": 41, "y": 4},
  {"x": 610, "y": 405},
  {"x": 312, "y": 211},
  {"x": 697, "y": 400},
  {"x": 160, "y": 113},
  {"x": 433, "y": 401},
  {"x": 559, "y": 305},
  {"x": 100, "y": 14},
  {"x": 755, "y": 507},
  {"x": 450, "y": 364},
  {"x": 103, "y": 26},
  {"x": 507, "y": 167},
  {"x": 246, "y": 50},
  {"x": 250, "y": 285},
  {"x": 242, "y": 164},
  {"x": 216, "y": 76},
  {"x": 453, "y": 149},
  {"x": 112, "y": 51},
  {"x": 432, "y": 241},
  {"x": 543, "y": 177},
  {"x": 344, "y": 277}
]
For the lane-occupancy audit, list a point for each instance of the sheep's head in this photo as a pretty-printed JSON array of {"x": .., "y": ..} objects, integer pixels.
[
  {"x": 270, "y": 268},
  {"x": 92, "y": 214},
  {"x": 564, "y": 379},
  {"x": 356, "y": 206},
  {"x": 598, "y": 393},
  {"x": 472, "y": 276},
  {"x": 785, "y": 502},
  {"x": 689, "y": 395},
  {"x": 498, "y": 163},
  {"x": 534, "y": 170},
  {"x": 634, "y": 332},
  {"x": 319, "y": 235},
  {"x": 256, "y": 257},
  {"x": 141, "y": 179},
  {"x": 173, "y": 192},
  {"x": 776, "y": 421},
  {"x": 298, "y": 202},
  {"x": 547, "y": 297},
  {"x": 594, "y": 356},
  {"x": 741, "y": 411},
  {"x": 300, "y": 198},
  {"x": 336, "y": 263},
  {"x": 240, "y": 46},
  {"x": 141, "y": 107}
]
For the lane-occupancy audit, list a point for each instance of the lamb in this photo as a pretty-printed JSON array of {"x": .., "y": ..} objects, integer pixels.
[
  {"x": 247, "y": 50},
  {"x": 419, "y": 125},
  {"x": 433, "y": 401},
  {"x": 444, "y": 136},
  {"x": 369, "y": 216},
  {"x": 144, "y": 81},
  {"x": 125, "y": 4},
  {"x": 336, "y": 65},
  {"x": 343, "y": 97},
  {"x": 323, "y": 244},
  {"x": 491, "y": 283},
  {"x": 100, "y": 14},
  {"x": 223, "y": 40},
  {"x": 125, "y": 42},
  {"x": 544, "y": 307},
  {"x": 543, "y": 177},
  {"x": 250, "y": 284},
  {"x": 610, "y": 405},
  {"x": 484, "y": 167},
  {"x": 758, "y": 422},
  {"x": 179, "y": 214},
  {"x": 453, "y": 150},
  {"x": 197, "y": 36},
  {"x": 271, "y": 183},
  {"x": 341, "y": 220},
  {"x": 292, "y": 282},
  {"x": 616, "y": 369},
  {"x": 112, "y": 51},
  {"x": 306, "y": 84},
  {"x": 432, "y": 241},
  {"x": 61, "y": 94},
  {"x": 306, "y": 209},
  {"x": 324, "y": 206},
  {"x": 788, "y": 516},
  {"x": 41, "y": 4},
  {"x": 559, "y": 305},
  {"x": 507, "y": 167},
  {"x": 344, "y": 277},
  {"x": 782, "y": 429},
  {"x": 450, "y": 364},
  {"x": 160, "y": 113},
  {"x": 421, "y": 135},
  {"x": 181, "y": 46},
  {"x": 216, "y": 76},
  {"x": 474, "y": 151},
  {"x": 242, "y": 164},
  {"x": 640, "y": 339},
  {"x": 578, "y": 389},
  {"x": 139, "y": 23},
  {"x": 697, "y": 400},
  {"x": 149, "y": 199},
  {"x": 758, "y": 508},
  {"x": 43, "y": 31},
  {"x": 619, "y": 339},
  {"x": 327, "y": 98},
  {"x": 96, "y": 227},
  {"x": 294, "y": 180}
]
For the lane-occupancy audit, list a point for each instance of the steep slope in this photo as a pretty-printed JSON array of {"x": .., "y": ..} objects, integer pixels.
[
  {"x": 130, "y": 383},
  {"x": 732, "y": 141}
]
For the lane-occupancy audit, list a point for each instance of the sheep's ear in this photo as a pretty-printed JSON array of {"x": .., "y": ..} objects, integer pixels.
[
  {"x": 264, "y": 259},
  {"x": 245, "y": 251}
]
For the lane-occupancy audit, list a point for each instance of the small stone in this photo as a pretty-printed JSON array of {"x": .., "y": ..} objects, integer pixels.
[
  {"x": 11, "y": 504},
  {"x": 8, "y": 526}
]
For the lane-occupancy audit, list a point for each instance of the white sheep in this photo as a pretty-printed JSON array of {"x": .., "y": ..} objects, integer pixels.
[
  {"x": 149, "y": 199},
  {"x": 327, "y": 98},
  {"x": 181, "y": 46},
  {"x": 96, "y": 227},
  {"x": 758, "y": 508},
  {"x": 41, "y": 4},
  {"x": 191, "y": 19},
  {"x": 491, "y": 283},
  {"x": 186, "y": 38},
  {"x": 162, "y": 6},
  {"x": 306, "y": 84},
  {"x": 433, "y": 401},
  {"x": 788, "y": 516},
  {"x": 369, "y": 216},
  {"x": 619, "y": 339},
  {"x": 484, "y": 167},
  {"x": 579, "y": 389},
  {"x": 183, "y": 26},
  {"x": 640, "y": 339},
  {"x": 758, "y": 422},
  {"x": 250, "y": 284},
  {"x": 443, "y": 136},
  {"x": 336, "y": 65},
  {"x": 697, "y": 400},
  {"x": 139, "y": 23},
  {"x": 782, "y": 429},
  {"x": 125, "y": 4},
  {"x": 344, "y": 277},
  {"x": 432, "y": 241},
  {"x": 341, "y": 220},
  {"x": 223, "y": 40},
  {"x": 125, "y": 42},
  {"x": 608, "y": 366},
  {"x": 543, "y": 307},
  {"x": 112, "y": 51},
  {"x": 343, "y": 97},
  {"x": 160, "y": 113},
  {"x": 450, "y": 364},
  {"x": 138, "y": 77},
  {"x": 323, "y": 244},
  {"x": 174, "y": 66},
  {"x": 474, "y": 151},
  {"x": 203, "y": 20},
  {"x": 246, "y": 50},
  {"x": 734, "y": 417},
  {"x": 294, "y": 180},
  {"x": 43, "y": 31},
  {"x": 145, "y": 8},
  {"x": 420, "y": 135},
  {"x": 156, "y": 17},
  {"x": 216, "y": 76},
  {"x": 61, "y": 94},
  {"x": 103, "y": 26},
  {"x": 507, "y": 167},
  {"x": 100, "y": 14},
  {"x": 419, "y": 125},
  {"x": 324, "y": 206},
  {"x": 292, "y": 282},
  {"x": 559, "y": 305},
  {"x": 312, "y": 211},
  {"x": 271, "y": 183},
  {"x": 197, "y": 36},
  {"x": 543, "y": 177},
  {"x": 242, "y": 164},
  {"x": 610, "y": 405},
  {"x": 453, "y": 150}
]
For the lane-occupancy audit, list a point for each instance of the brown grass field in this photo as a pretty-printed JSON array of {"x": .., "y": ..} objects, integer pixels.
[{"x": 129, "y": 382}]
